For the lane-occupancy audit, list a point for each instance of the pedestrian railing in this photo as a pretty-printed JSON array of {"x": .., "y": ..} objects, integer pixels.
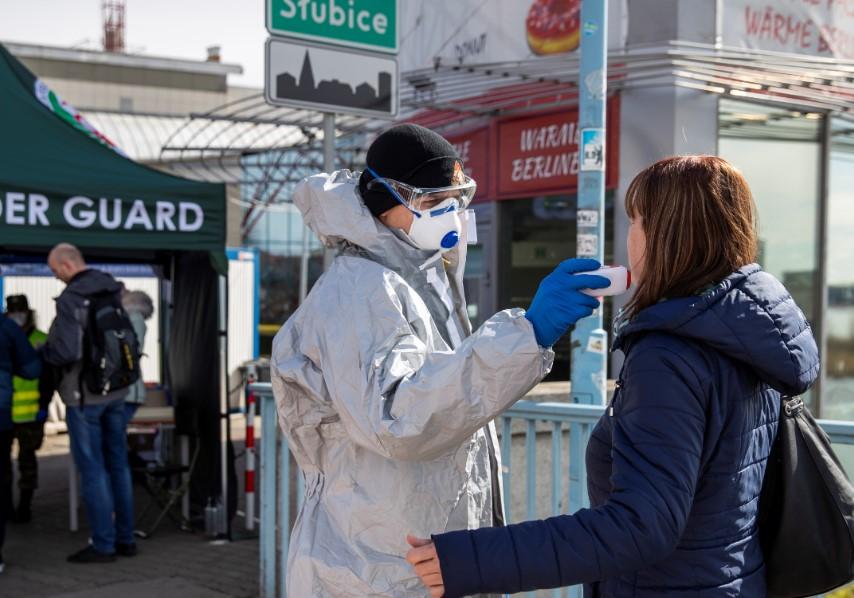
[{"x": 554, "y": 478}]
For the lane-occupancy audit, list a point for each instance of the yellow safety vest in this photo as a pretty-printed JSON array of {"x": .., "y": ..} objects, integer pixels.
[{"x": 25, "y": 399}]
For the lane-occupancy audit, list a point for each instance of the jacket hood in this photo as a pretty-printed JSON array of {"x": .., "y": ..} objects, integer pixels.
[
  {"x": 750, "y": 317},
  {"x": 138, "y": 302},
  {"x": 334, "y": 211},
  {"x": 93, "y": 281}
]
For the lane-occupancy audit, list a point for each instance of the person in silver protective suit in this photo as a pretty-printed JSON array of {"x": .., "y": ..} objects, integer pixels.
[{"x": 384, "y": 392}]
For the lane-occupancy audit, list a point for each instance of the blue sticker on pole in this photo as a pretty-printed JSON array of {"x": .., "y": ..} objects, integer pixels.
[{"x": 592, "y": 149}]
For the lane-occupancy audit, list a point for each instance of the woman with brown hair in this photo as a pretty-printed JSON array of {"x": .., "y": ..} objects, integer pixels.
[{"x": 675, "y": 466}]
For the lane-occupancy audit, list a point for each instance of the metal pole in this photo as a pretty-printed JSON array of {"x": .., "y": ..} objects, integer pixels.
[
  {"x": 589, "y": 340},
  {"x": 224, "y": 430},
  {"x": 267, "y": 529},
  {"x": 249, "y": 474},
  {"x": 821, "y": 288},
  {"x": 328, "y": 166},
  {"x": 303, "y": 265},
  {"x": 329, "y": 142}
]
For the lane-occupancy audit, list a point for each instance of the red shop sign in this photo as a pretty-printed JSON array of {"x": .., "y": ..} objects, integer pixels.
[
  {"x": 473, "y": 148},
  {"x": 539, "y": 154}
]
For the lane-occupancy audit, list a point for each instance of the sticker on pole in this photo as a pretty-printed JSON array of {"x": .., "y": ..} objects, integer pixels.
[
  {"x": 596, "y": 344},
  {"x": 587, "y": 245},
  {"x": 593, "y": 149},
  {"x": 588, "y": 218}
]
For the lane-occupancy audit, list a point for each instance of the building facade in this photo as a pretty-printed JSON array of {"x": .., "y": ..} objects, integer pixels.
[{"x": 766, "y": 87}]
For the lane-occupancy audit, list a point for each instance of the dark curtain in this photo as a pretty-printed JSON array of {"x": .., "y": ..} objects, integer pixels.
[{"x": 193, "y": 363}]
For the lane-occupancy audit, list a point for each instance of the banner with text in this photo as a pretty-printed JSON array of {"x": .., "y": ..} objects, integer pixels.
[
  {"x": 540, "y": 154},
  {"x": 29, "y": 218},
  {"x": 815, "y": 27},
  {"x": 473, "y": 148}
]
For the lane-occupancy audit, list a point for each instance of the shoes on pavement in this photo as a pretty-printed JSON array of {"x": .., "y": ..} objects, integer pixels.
[
  {"x": 126, "y": 549},
  {"x": 90, "y": 555}
]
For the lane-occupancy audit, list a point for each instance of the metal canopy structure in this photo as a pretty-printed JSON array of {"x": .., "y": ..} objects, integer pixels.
[{"x": 253, "y": 143}]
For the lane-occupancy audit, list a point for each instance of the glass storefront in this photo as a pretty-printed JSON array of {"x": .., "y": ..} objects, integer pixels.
[
  {"x": 781, "y": 152},
  {"x": 838, "y": 392},
  {"x": 277, "y": 231},
  {"x": 535, "y": 236}
]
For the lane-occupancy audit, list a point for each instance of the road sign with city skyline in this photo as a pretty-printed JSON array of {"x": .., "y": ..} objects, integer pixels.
[
  {"x": 302, "y": 75},
  {"x": 367, "y": 24}
]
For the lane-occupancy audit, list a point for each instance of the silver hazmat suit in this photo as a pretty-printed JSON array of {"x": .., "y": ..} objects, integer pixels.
[{"x": 386, "y": 396}]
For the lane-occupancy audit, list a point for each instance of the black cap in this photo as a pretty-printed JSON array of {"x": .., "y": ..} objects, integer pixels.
[
  {"x": 17, "y": 303},
  {"x": 411, "y": 154}
]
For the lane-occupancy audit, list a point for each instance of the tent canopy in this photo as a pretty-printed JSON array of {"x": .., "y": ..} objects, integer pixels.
[{"x": 62, "y": 181}]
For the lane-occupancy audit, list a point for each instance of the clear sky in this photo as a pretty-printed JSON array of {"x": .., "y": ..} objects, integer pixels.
[{"x": 172, "y": 28}]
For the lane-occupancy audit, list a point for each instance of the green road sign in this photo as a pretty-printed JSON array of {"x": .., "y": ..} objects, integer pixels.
[{"x": 366, "y": 24}]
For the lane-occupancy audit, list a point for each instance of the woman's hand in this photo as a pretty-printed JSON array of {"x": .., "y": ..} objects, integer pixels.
[{"x": 425, "y": 561}]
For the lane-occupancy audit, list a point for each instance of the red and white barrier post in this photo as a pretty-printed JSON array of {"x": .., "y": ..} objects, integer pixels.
[{"x": 249, "y": 482}]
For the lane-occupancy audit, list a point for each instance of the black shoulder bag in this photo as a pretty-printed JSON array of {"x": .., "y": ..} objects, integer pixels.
[{"x": 806, "y": 510}]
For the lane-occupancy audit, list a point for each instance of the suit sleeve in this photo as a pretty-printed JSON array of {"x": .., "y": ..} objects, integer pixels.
[
  {"x": 658, "y": 432},
  {"x": 396, "y": 394}
]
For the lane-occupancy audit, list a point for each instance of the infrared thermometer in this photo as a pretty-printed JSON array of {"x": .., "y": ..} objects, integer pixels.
[{"x": 620, "y": 277}]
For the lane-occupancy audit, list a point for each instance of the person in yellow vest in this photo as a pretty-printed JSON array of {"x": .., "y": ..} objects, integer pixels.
[{"x": 30, "y": 400}]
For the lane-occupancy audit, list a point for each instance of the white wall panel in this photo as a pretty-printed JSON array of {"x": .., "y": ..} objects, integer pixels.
[{"x": 241, "y": 313}]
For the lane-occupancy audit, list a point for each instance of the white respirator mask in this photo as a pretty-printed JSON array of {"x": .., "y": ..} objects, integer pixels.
[{"x": 437, "y": 229}]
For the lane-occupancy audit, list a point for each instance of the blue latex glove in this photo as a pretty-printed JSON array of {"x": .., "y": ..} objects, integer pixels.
[
  {"x": 558, "y": 303},
  {"x": 41, "y": 416}
]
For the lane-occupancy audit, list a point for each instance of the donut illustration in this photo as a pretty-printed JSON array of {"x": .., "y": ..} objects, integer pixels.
[{"x": 553, "y": 26}]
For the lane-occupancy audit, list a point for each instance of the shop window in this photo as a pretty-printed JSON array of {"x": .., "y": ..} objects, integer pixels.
[
  {"x": 779, "y": 152},
  {"x": 536, "y": 235},
  {"x": 475, "y": 271},
  {"x": 838, "y": 392}
]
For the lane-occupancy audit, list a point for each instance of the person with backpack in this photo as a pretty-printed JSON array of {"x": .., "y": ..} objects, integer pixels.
[
  {"x": 92, "y": 340},
  {"x": 17, "y": 358},
  {"x": 30, "y": 401},
  {"x": 676, "y": 464}
]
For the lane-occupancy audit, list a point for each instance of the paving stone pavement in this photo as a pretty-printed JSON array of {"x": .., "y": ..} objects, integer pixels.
[{"x": 170, "y": 564}]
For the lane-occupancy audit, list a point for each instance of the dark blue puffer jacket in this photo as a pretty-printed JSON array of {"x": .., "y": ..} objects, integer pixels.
[{"x": 675, "y": 466}]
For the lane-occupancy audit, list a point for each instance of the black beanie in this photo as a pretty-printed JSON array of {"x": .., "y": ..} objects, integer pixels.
[{"x": 409, "y": 154}]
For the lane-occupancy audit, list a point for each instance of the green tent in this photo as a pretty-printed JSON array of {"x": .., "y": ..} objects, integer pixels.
[{"x": 60, "y": 180}]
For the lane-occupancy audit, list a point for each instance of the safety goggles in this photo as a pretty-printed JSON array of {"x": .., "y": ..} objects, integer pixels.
[{"x": 418, "y": 199}]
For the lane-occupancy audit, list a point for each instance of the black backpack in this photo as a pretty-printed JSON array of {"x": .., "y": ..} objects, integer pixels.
[
  {"x": 110, "y": 348},
  {"x": 806, "y": 510}
]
